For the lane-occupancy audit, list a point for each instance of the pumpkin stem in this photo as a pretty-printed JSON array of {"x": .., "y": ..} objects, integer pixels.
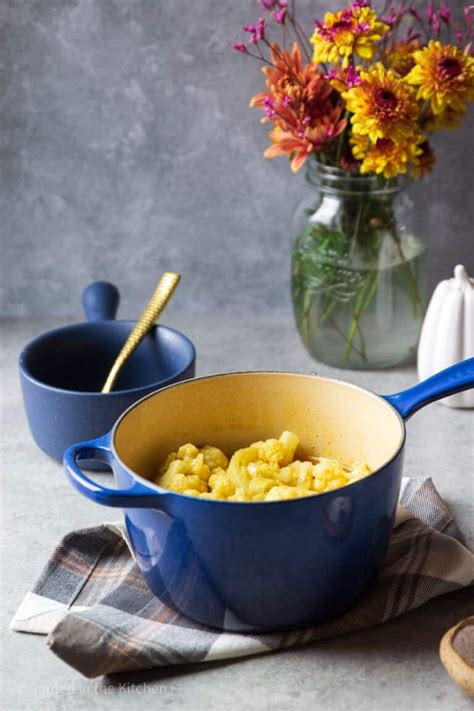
[{"x": 461, "y": 275}]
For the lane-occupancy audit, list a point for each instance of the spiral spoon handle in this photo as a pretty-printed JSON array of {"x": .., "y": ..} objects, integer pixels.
[{"x": 162, "y": 294}]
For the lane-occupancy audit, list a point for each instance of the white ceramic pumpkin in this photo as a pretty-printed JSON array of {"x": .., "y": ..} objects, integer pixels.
[{"x": 447, "y": 334}]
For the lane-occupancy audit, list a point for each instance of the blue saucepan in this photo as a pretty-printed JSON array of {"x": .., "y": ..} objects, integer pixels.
[
  {"x": 63, "y": 371},
  {"x": 271, "y": 565}
]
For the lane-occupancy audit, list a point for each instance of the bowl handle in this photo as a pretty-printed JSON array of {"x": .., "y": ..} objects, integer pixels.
[
  {"x": 137, "y": 496},
  {"x": 100, "y": 301},
  {"x": 452, "y": 380}
]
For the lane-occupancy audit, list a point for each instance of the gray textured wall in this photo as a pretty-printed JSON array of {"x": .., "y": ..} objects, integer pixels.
[{"x": 127, "y": 148}]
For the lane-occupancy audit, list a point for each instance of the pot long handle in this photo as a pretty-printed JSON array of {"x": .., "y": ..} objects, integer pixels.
[
  {"x": 137, "y": 496},
  {"x": 452, "y": 380},
  {"x": 100, "y": 301}
]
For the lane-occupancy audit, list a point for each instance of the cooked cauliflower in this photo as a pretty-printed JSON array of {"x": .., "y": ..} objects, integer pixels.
[{"x": 264, "y": 471}]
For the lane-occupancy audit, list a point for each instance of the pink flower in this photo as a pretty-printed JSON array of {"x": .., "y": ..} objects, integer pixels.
[
  {"x": 430, "y": 11},
  {"x": 412, "y": 35},
  {"x": 415, "y": 14},
  {"x": 280, "y": 16},
  {"x": 286, "y": 102},
  {"x": 239, "y": 47},
  {"x": 344, "y": 78},
  {"x": 458, "y": 33},
  {"x": 257, "y": 31},
  {"x": 269, "y": 106},
  {"x": 352, "y": 76},
  {"x": 389, "y": 20},
  {"x": 272, "y": 4},
  {"x": 359, "y": 4},
  {"x": 445, "y": 14},
  {"x": 436, "y": 24}
]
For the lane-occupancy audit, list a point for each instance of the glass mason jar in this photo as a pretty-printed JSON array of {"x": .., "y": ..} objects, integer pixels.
[{"x": 357, "y": 270}]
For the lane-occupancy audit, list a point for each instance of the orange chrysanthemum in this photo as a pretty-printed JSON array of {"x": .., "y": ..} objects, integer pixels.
[
  {"x": 292, "y": 87},
  {"x": 302, "y": 105},
  {"x": 444, "y": 76},
  {"x": 310, "y": 140},
  {"x": 384, "y": 106}
]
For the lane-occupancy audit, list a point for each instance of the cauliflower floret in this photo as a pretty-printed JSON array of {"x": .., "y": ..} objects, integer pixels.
[
  {"x": 327, "y": 468},
  {"x": 358, "y": 470},
  {"x": 325, "y": 472},
  {"x": 304, "y": 478},
  {"x": 239, "y": 495},
  {"x": 258, "y": 497},
  {"x": 172, "y": 457},
  {"x": 260, "y": 485},
  {"x": 289, "y": 475},
  {"x": 263, "y": 469},
  {"x": 214, "y": 458},
  {"x": 166, "y": 479},
  {"x": 272, "y": 450},
  {"x": 221, "y": 486},
  {"x": 237, "y": 469},
  {"x": 175, "y": 482},
  {"x": 336, "y": 483},
  {"x": 194, "y": 481},
  {"x": 280, "y": 493},
  {"x": 300, "y": 492},
  {"x": 197, "y": 466},
  {"x": 290, "y": 443},
  {"x": 318, "y": 485},
  {"x": 188, "y": 452}
]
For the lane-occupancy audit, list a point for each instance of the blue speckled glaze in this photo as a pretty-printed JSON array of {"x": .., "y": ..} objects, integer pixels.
[
  {"x": 63, "y": 371},
  {"x": 261, "y": 566}
]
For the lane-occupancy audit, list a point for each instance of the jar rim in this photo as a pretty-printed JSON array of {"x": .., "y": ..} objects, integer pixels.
[{"x": 330, "y": 178}]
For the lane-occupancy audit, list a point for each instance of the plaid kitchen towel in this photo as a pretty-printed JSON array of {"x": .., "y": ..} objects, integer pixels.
[{"x": 101, "y": 618}]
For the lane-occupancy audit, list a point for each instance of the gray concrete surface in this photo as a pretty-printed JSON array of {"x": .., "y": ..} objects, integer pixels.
[
  {"x": 127, "y": 147},
  {"x": 394, "y": 667}
]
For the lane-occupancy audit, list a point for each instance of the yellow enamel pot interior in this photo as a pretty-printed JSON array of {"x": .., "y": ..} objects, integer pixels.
[{"x": 332, "y": 419}]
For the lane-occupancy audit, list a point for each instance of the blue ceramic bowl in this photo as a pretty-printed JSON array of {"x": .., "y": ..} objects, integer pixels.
[
  {"x": 270, "y": 565},
  {"x": 63, "y": 371}
]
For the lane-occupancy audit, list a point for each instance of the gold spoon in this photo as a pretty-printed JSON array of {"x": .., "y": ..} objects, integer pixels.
[{"x": 162, "y": 294}]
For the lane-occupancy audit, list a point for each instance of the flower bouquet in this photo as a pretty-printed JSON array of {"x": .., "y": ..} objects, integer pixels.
[{"x": 358, "y": 101}]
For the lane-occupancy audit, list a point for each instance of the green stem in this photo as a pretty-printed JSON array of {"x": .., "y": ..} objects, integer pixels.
[
  {"x": 341, "y": 332},
  {"x": 307, "y": 301},
  {"x": 324, "y": 317},
  {"x": 341, "y": 140},
  {"x": 363, "y": 300},
  {"x": 416, "y": 299},
  {"x": 363, "y": 346}
]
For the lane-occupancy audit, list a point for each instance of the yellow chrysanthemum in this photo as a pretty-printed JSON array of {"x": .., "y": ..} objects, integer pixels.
[
  {"x": 400, "y": 57},
  {"x": 444, "y": 76},
  {"x": 424, "y": 161},
  {"x": 355, "y": 30},
  {"x": 384, "y": 106},
  {"x": 448, "y": 118},
  {"x": 385, "y": 156}
]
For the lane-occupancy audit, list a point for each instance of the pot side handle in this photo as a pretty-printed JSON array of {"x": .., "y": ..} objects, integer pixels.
[
  {"x": 138, "y": 496},
  {"x": 100, "y": 301},
  {"x": 452, "y": 380}
]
